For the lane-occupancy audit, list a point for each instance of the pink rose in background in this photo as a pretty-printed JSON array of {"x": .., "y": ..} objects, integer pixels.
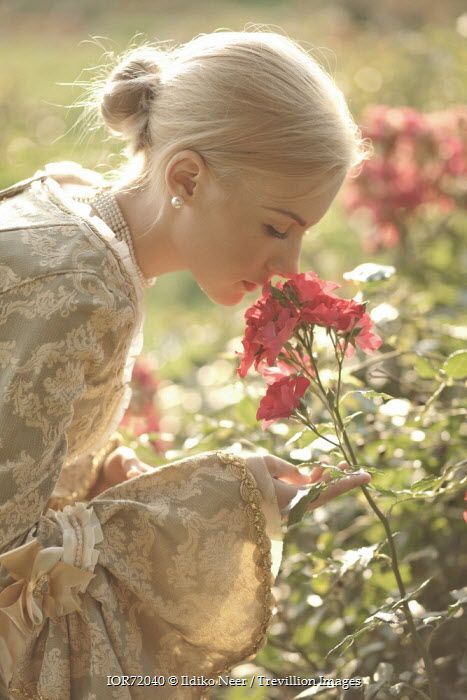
[
  {"x": 418, "y": 159},
  {"x": 142, "y": 415}
]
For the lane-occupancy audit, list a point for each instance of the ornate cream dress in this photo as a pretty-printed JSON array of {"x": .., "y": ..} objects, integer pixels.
[{"x": 167, "y": 574}]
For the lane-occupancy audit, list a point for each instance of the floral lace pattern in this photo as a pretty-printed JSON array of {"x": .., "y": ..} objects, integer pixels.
[{"x": 182, "y": 580}]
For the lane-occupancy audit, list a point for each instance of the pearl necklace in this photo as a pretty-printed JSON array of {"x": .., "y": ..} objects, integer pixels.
[{"x": 106, "y": 205}]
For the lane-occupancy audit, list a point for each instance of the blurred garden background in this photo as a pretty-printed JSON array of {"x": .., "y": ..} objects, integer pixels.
[{"x": 401, "y": 66}]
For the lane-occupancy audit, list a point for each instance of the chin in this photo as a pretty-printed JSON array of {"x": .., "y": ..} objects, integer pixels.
[
  {"x": 228, "y": 298},
  {"x": 227, "y": 301}
]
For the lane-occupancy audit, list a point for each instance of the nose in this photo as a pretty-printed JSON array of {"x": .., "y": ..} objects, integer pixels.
[{"x": 286, "y": 264}]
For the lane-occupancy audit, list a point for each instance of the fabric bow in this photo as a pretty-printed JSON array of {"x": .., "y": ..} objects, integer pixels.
[{"x": 44, "y": 587}]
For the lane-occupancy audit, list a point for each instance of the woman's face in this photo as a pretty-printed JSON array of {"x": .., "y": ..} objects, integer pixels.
[{"x": 243, "y": 237}]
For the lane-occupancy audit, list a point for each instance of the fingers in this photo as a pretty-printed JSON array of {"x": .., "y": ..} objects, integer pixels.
[
  {"x": 138, "y": 469},
  {"x": 122, "y": 464},
  {"x": 287, "y": 476},
  {"x": 320, "y": 471},
  {"x": 132, "y": 472},
  {"x": 345, "y": 484},
  {"x": 281, "y": 469}
]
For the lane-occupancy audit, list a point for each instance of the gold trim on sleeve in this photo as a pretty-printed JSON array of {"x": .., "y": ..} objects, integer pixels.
[{"x": 252, "y": 498}]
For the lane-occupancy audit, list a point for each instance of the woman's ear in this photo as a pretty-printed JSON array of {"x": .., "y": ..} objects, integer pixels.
[{"x": 183, "y": 173}]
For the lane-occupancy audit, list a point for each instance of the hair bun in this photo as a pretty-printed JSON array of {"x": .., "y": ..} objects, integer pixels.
[{"x": 128, "y": 94}]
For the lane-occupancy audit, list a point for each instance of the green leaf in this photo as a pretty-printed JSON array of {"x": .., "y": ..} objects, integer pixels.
[
  {"x": 347, "y": 642},
  {"x": 424, "y": 368},
  {"x": 296, "y": 436},
  {"x": 384, "y": 492},
  {"x": 367, "y": 394},
  {"x": 409, "y": 493},
  {"x": 324, "y": 427},
  {"x": 456, "y": 365},
  {"x": 357, "y": 558},
  {"x": 350, "y": 418},
  {"x": 299, "y": 509},
  {"x": 411, "y": 595},
  {"x": 306, "y": 436},
  {"x": 277, "y": 294},
  {"x": 428, "y": 483},
  {"x": 383, "y": 616}
]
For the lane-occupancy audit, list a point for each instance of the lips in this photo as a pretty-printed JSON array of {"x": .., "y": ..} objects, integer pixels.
[{"x": 250, "y": 285}]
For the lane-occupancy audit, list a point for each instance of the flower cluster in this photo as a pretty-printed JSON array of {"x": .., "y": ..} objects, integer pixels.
[
  {"x": 293, "y": 307},
  {"x": 418, "y": 159}
]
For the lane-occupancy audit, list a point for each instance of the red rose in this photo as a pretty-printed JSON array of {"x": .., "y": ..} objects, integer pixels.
[
  {"x": 366, "y": 339},
  {"x": 281, "y": 399},
  {"x": 269, "y": 327}
]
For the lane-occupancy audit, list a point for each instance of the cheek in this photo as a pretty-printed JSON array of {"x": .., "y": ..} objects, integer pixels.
[
  {"x": 234, "y": 242},
  {"x": 246, "y": 239},
  {"x": 248, "y": 254}
]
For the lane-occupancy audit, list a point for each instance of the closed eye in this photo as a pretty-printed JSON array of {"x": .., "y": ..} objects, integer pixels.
[{"x": 276, "y": 234}]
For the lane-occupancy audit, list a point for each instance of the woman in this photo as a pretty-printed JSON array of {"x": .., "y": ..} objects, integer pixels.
[{"x": 237, "y": 143}]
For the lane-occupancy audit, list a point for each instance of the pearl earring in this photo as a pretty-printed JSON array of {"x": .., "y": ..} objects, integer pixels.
[{"x": 177, "y": 202}]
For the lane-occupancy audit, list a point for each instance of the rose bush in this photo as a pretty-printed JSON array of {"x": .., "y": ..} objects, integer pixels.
[
  {"x": 302, "y": 303},
  {"x": 419, "y": 160}
]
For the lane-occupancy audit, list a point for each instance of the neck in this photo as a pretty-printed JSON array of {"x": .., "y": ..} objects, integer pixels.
[{"x": 153, "y": 243}]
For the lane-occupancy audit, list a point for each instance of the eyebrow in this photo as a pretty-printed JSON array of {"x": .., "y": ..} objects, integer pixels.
[{"x": 288, "y": 213}]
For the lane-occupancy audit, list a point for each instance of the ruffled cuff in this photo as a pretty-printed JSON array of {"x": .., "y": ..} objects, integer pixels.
[{"x": 81, "y": 533}]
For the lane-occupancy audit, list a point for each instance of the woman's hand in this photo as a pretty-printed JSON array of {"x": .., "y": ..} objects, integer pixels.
[
  {"x": 123, "y": 464},
  {"x": 120, "y": 465},
  {"x": 287, "y": 479}
]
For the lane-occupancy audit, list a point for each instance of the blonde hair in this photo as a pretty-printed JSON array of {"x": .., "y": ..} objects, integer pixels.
[{"x": 251, "y": 103}]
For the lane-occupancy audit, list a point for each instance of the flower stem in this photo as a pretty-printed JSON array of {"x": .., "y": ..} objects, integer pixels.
[
  {"x": 292, "y": 361},
  {"x": 306, "y": 421},
  {"x": 395, "y": 567},
  {"x": 350, "y": 457}
]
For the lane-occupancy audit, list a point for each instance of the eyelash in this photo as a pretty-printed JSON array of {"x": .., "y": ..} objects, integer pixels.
[{"x": 276, "y": 234}]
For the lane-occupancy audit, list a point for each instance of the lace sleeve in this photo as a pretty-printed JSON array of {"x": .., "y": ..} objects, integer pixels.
[{"x": 58, "y": 334}]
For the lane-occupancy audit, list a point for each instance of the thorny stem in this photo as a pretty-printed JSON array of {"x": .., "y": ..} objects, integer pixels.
[
  {"x": 435, "y": 395},
  {"x": 293, "y": 361},
  {"x": 395, "y": 567},
  {"x": 340, "y": 361},
  {"x": 307, "y": 342},
  {"x": 348, "y": 452}
]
